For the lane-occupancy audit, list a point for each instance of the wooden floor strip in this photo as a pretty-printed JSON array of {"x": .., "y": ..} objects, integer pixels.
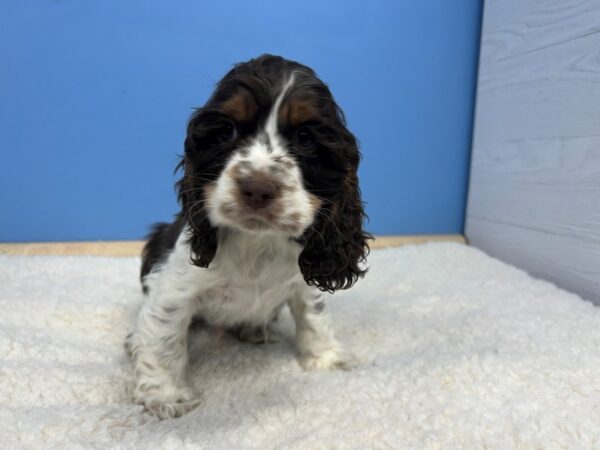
[{"x": 134, "y": 248}]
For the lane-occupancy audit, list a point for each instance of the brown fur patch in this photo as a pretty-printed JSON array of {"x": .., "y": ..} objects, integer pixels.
[
  {"x": 296, "y": 111},
  {"x": 241, "y": 106},
  {"x": 209, "y": 188},
  {"x": 315, "y": 202},
  {"x": 235, "y": 171}
]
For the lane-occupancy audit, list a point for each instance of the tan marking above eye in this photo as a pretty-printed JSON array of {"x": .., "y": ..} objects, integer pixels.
[
  {"x": 241, "y": 106},
  {"x": 298, "y": 110}
]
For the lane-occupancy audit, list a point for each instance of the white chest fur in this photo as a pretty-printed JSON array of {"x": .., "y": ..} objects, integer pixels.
[{"x": 250, "y": 277}]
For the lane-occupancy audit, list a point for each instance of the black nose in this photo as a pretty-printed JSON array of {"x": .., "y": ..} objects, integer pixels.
[{"x": 257, "y": 193}]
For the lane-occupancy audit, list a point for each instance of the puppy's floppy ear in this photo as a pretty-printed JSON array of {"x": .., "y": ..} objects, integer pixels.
[
  {"x": 203, "y": 238},
  {"x": 336, "y": 244}
]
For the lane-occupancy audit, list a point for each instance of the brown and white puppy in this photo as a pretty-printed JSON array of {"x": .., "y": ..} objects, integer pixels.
[{"x": 271, "y": 214}]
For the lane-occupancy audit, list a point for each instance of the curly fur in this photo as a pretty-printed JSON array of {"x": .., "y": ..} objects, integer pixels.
[{"x": 336, "y": 245}]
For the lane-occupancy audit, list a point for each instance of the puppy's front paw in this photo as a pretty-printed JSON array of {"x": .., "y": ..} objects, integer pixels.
[
  {"x": 167, "y": 403},
  {"x": 330, "y": 359}
]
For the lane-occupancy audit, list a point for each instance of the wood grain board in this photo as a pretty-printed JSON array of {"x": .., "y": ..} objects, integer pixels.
[
  {"x": 134, "y": 248},
  {"x": 534, "y": 196}
]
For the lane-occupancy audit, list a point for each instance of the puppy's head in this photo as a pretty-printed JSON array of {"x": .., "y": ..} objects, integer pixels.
[{"x": 270, "y": 153}]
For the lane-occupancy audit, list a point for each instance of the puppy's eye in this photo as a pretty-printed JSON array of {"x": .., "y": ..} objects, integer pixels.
[
  {"x": 226, "y": 133},
  {"x": 305, "y": 138}
]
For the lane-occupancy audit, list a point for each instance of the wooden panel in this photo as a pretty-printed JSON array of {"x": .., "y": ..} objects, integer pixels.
[
  {"x": 551, "y": 92},
  {"x": 134, "y": 248},
  {"x": 100, "y": 248},
  {"x": 534, "y": 196},
  {"x": 552, "y": 186},
  {"x": 525, "y": 26},
  {"x": 396, "y": 241},
  {"x": 564, "y": 260}
]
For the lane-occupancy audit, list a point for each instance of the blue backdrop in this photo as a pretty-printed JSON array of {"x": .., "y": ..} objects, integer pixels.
[{"x": 95, "y": 95}]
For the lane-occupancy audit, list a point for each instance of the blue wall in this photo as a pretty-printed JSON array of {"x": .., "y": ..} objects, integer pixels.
[{"x": 95, "y": 95}]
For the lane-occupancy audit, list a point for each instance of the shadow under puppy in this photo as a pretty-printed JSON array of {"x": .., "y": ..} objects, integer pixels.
[{"x": 271, "y": 214}]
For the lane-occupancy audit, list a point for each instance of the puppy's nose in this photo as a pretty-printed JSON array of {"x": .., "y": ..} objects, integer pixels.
[{"x": 257, "y": 193}]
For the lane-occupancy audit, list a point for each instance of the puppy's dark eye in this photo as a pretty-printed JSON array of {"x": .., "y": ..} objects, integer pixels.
[
  {"x": 226, "y": 133},
  {"x": 305, "y": 138}
]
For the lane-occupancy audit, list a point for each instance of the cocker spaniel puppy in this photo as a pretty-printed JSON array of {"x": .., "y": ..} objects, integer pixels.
[{"x": 270, "y": 214}]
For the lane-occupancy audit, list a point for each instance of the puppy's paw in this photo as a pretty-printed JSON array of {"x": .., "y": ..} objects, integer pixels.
[
  {"x": 167, "y": 403},
  {"x": 330, "y": 359}
]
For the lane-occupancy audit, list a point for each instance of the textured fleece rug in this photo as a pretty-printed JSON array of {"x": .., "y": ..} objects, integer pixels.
[{"x": 455, "y": 350}]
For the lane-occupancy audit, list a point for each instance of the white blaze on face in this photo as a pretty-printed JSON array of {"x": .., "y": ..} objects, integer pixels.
[
  {"x": 266, "y": 156},
  {"x": 271, "y": 125},
  {"x": 268, "y": 145}
]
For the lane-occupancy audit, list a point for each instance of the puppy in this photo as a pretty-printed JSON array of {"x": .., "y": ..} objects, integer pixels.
[{"x": 270, "y": 214}]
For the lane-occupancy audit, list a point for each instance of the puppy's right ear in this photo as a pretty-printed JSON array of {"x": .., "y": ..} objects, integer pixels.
[{"x": 191, "y": 194}]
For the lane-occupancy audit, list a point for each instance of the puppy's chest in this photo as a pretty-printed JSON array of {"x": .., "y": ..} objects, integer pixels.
[{"x": 248, "y": 291}]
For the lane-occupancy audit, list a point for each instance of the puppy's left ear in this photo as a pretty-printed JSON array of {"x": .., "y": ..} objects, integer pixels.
[{"x": 336, "y": 244}]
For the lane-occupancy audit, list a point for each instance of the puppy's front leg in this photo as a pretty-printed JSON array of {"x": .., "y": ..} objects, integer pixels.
[
  {"x": 158, "y": 347},
  {"x": 315, "y": 339}
]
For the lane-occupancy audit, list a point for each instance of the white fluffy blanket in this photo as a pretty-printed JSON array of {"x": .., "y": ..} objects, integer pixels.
[{"x": 456, "y": 350}]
